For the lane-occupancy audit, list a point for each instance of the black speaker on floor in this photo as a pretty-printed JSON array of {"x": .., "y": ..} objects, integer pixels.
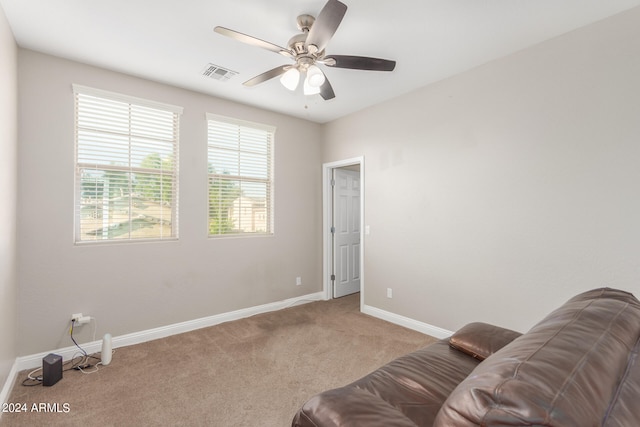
[{"x": 51, "y": 369}]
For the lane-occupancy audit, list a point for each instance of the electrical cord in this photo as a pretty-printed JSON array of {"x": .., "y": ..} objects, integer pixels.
[
  {"x": 83, "y": 362},
  {"x": 95, "y": 327},
  {"x": 34, "y": 380},
  {"x": 74, "y": 340}
]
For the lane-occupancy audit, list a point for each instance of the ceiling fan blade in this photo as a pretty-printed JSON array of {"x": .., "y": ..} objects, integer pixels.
[
  {"x": 268, "y": 75},
  {"x": 358, "y": 62},
  {"x": 326, "y": 91},
  {"x": 325, "y": 25},
  {"x": 244, "y": 38}
]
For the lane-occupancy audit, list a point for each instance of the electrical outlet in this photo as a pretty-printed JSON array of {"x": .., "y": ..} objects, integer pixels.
[
  {"x": 76, "y": 317},
  {"x": 389, "y": 293},
  {"x": 298, "y": 281}
]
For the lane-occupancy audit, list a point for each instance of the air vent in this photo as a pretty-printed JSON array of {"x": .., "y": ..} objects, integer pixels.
[{"x": 216, "y": 72}]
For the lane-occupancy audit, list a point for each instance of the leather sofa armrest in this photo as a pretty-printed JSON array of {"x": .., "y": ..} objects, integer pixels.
[{"x": 481, "y": 340}]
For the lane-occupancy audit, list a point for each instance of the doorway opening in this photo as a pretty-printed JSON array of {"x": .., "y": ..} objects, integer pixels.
[{"x": 343, "y": 219}]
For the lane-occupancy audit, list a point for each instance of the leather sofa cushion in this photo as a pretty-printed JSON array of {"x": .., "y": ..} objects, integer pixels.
[
  {"x": 564, "y": 372},
  {"x": 625, "y": 410},
  {"x": 481, "y": 340},
  {"x": 407, "y": 391}
]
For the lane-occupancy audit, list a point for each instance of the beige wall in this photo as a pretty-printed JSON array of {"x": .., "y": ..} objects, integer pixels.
[
  {"x": 8, "y": 194},
  {"x": 135, "y": 287},
  {"x": 494, "y": 196},
  {"x": 497, "y": 194}
]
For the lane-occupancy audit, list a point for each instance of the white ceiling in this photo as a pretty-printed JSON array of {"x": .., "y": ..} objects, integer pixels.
[{"x": 172, "y": 41}]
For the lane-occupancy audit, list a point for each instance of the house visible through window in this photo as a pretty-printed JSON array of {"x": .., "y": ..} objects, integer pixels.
[
  {"x": 240, "y": 177},
  {"x": 126, "y": 167}
]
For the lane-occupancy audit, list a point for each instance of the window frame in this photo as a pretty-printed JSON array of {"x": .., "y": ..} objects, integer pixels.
[
  {"x": 268, "y": 181},
  {"x": 133, "y": 102}
]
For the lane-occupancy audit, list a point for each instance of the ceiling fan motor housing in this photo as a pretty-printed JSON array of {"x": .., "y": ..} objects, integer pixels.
[
  {"x": 305, "y": 56},
  {"x": 297, "y": 44}
]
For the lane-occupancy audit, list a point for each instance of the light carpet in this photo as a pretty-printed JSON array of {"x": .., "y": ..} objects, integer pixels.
[{"x": 251, "y": 372}]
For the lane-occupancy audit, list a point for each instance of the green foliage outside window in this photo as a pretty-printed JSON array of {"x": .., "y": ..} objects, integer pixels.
[{"x": 222, "y": 193}]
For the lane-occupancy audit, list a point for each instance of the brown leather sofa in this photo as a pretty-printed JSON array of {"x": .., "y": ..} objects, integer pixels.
[{"x": 579, "y": 367}]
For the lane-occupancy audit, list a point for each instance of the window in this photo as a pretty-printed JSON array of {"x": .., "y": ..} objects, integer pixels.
[
  {"x": 126, "y": 162},
  {"x": 240, "y": 177}
]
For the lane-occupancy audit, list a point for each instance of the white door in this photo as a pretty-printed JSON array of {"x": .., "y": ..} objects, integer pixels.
[{"x": 346, "y": 232}]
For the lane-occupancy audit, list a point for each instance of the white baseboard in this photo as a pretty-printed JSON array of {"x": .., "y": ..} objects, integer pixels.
[
  {"x": 35, "y": 360},
  {"x": 8, "y": 384},
  {"x": 425, "y": 328}
]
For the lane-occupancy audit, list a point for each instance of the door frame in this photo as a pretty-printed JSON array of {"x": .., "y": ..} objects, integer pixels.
[{"x": 327, "y": 212}]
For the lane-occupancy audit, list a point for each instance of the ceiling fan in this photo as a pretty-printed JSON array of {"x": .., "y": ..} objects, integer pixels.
[{"x": 307, "y": 50}]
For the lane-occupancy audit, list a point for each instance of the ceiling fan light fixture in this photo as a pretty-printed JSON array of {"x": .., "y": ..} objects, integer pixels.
[
  {"x": 309, "y": 89},
  {"x": 290, "y": 79},
  {"x": 315, "y": 76}
]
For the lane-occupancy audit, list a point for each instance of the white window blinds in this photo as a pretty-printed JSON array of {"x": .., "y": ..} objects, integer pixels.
[
  {"x": 240, "y": 177},
  {"x": 126, "y": 167}
]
